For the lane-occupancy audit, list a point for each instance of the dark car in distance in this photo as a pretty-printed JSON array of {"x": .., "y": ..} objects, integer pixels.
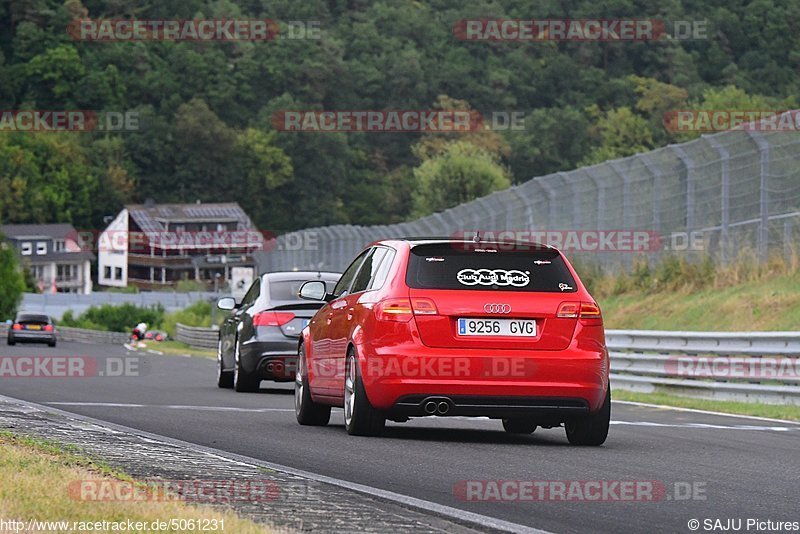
[
  {"x": 258, "y": 341},
  {"x": 32, "y": 328}
]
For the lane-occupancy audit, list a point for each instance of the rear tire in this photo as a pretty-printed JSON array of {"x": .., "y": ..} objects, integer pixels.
[
  {"x": 224, "y": 378},
  {"x": 10, "y": 341},
  {"x": 360, "y": 418},
  {"x": 243, "y": 382},
  {"x": 519, "y": 425},
  {"x": 591, "y": 430},
  {"x": 307, "y": 412},
  {"x": 51, "y": 343}
]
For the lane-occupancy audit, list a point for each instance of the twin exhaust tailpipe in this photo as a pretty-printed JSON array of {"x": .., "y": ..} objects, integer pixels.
[
  {"x": 436, "y": 406},
  {"x": 274, "y": 367}
]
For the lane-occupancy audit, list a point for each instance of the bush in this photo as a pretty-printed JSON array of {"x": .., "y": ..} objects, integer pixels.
[
  {"x": 115, "y": 318},
  {"x": 197, "y": 314}
]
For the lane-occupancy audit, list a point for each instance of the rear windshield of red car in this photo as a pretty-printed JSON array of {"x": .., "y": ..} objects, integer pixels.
[{"x": 488, "y": 268}]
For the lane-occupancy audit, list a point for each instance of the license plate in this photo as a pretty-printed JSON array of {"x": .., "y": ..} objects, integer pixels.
[
  {"x": 496, "y": 327},
  {"x": 33, "y": 327}
]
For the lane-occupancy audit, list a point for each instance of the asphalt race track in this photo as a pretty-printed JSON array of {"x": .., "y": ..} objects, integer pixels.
[{"x": 739, "y": 467}]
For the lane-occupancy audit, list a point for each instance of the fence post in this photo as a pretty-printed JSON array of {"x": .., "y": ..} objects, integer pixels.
[
  {"x": 552, "y": 212},
  {"x": 690, "y": 186},
  {"x": 657, "y": 178},
  {"x": 724, "y": 238},
  {"x": 601, "y": 197},
  {"x": 626, "y": 194},
  {"x": 763, "y": 225},
  {"x": 787, "y": 239},
  {"x": 576, "y": 205}
]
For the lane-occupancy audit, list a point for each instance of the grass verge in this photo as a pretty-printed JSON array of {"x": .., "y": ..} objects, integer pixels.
[
  {"x": 34, "y": 485},
  {"x": 178, "y": 348},
  {"x": 773, "y": 411}
]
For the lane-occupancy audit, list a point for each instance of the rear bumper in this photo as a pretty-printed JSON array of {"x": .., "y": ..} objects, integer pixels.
[
  {"x": 270, "y": 359},
  {"x": 555, "y": 409},
  {"x": 32, "y": 336},
  {"x": 494, "y": 383}
]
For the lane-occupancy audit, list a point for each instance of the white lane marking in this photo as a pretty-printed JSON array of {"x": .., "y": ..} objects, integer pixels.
[
  {"x": 411, "y": 502},
  {"x": 706, "y": 425},
  {"x": 170, "y": 407},
  {"x": 708, "y": 412}
]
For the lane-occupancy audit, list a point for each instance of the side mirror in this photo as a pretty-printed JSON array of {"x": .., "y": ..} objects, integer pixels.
[
  {"x": 226, "y": 303},
  {"x": 313, "y": 290}
]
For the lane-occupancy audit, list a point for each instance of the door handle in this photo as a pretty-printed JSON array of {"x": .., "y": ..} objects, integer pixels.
[
  {"x": 330, "y": 317},
  {"x": 350, "y": 313}
]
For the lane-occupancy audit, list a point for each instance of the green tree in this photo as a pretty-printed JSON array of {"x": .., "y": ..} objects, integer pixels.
[
  {"x": 459, "y": 173},
  {"x": 12, "y": 282},
  {"x": 620, "y": 133}
]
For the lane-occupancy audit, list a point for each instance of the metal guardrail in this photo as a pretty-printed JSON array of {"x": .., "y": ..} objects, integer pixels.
[
  {"x": 755, "y": 343},
  {"x": 198, "y": 337},
  {"x": 738, "y": 366},
  {"x": 82, "y": 335}
]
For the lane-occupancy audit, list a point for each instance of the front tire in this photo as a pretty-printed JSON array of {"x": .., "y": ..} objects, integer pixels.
[
  {"x": 591, "y": 430},
  {"x": 519, "y": 425},
  {"x": 307, "y": 412},
  {"x": 243, "y": 382},
  {"x": 224, "y": 378},
  {"x": 360, "y": 418}
]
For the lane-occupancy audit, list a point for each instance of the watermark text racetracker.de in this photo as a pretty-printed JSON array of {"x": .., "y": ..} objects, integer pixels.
[
  {"x": 70, "y": 366},
  {"x": 143, "y": 242},
  {"x": 196, "y": 30},
  {"x": 189, "y": 490},
  {"x": 636, "y": 240},
  {"x": 606, "y": 491},
  {"x": 396, "y": 120},
  {"x": 723, "y": 120},
  {"x": 39, "y": 120},
  {"x": 766, "y": 368},
  {"x": 582, "y": 30}
]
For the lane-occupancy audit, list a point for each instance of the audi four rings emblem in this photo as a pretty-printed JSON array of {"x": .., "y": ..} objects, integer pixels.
[
  {"x": 493, "y": 277},
  {"x": 497, "y": 308}
]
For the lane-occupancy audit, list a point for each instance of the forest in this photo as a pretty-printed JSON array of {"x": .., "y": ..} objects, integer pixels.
[{"x": 205, "y": 110}]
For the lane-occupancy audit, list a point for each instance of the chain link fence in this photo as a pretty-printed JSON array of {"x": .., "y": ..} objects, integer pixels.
[{"x": 717, "y": 196}]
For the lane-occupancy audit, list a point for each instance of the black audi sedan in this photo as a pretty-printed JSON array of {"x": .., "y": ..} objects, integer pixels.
[{"x": 258, "y": 341}]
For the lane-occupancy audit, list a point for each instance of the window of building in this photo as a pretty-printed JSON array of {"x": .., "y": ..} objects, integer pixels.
[
  {"x": 107, "y": 272},
  {"x": 41, "y": 248},
  {"x": 66, "y": 272},
  {"x": 117, "y": 273},
  {"x": 26, "y": 249},
  {"x": 59, "y": 245}
]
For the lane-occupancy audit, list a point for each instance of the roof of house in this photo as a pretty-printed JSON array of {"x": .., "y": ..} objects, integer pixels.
[
  {"x": 33, "y": 231},
  {"x": 151, "y": 218}
]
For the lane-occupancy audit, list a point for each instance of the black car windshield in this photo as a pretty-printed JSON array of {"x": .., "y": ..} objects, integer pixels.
[{"x": 23, "y": 318}]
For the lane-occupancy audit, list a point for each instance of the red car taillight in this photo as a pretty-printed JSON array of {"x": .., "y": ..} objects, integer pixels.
[
  {"x": 48, "y": 328},
  {"x": 402, "y": 310},
  {"x": 587, "y": 312},
  {"x": 16, "y": 326},
  {"x": 397, "y": 310},
  {"x": 423, "y": 306},
  {"x": 271, "y": 318}
]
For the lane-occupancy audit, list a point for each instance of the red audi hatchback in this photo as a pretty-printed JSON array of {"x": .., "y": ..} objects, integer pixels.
[{"x": 440, "y": 327}]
